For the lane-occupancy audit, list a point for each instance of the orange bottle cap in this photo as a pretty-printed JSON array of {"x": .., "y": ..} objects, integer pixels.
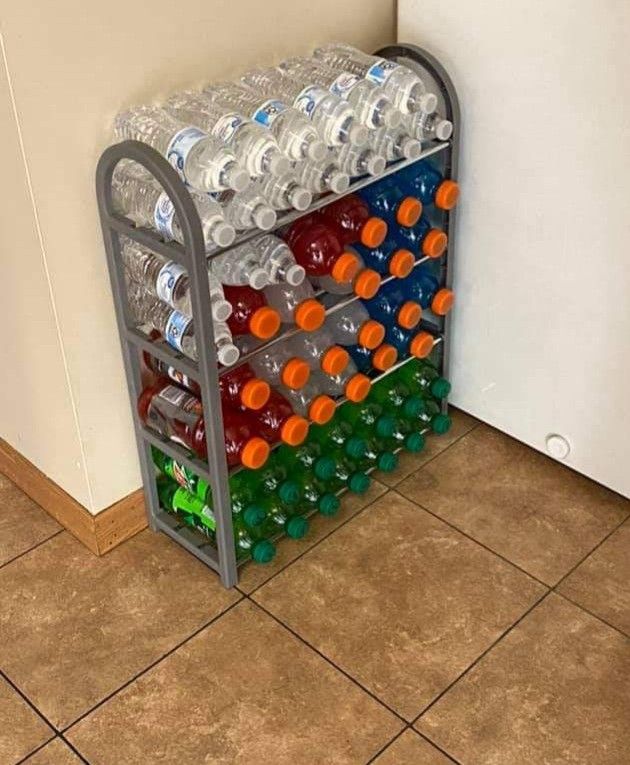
[
  {"x": 373, "y": 232},
  {"x": 384, "y": 357},
  {"x": 255, "y": 394},
  {"x": 335, "y": 360},
  {"x": 295, "y": 373},
  {"x": 357, "y": 387},
  {"x": 255, "y": 452},
  {"x": 294, "y": 430},
  {"x": 409, "y": 314},
  {"x": 421, "y": 345},
  {"x": 346, "y": 267},
  {"x": 434, "y": 243},
  {"x": 442, "y": 302},
  {"x": 264, "y": 323},
  {"x": 401, "y": 263},
  {"x": 371, "y": 334},
  {"x": 309, "y": 315},
  {"x": 409, "y": 211},
  {"x": 447, "y": 195},
  {"x": 322, "y": 409},
  {"x": 367, "y": 284}
]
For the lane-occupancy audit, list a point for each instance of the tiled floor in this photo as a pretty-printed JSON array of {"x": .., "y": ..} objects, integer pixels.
[{"x": 472, "y": 608}]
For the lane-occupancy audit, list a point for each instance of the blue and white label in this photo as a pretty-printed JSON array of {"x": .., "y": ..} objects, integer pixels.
[
  {"x": 343, "y": 84},
  {"x": 180, "y": 146},
  {"x": 308, "y": 99},
  {"x": 167, "y": 280},
  {"x": 226, "y": 126},
  {"x": 267, "y": 112},
  {"x": 176, "y": 327},
  {"x": 163, "y": 215},
  {"x": 381, "y": 70}
]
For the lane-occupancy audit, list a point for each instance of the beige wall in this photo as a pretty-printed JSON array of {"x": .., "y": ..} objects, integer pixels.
[{"x": 72, "y": 66}]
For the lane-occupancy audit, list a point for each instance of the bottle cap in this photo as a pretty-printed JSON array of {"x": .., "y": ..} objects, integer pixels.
[
  {"x": 442, "y": 301},
  {"x": 335, "y": 360},
  {"x": 228, "y": 354},
  {"x": 384, "y": 426},
  {"x": 223, "y": 234},
  {"x": 355, "y": 447},
  {"x": 294, "y": 430},
  {"x": 414, "y": 442},
  {"x": 258, "y": 278},
  {"x": 294, "y": 275},
  {"x": 409, "y": 314},
  {"x": 324, "y": 468},
  {"x": 371, "y": 334},
  {"x": 428, "y": 103},
  {"x": 373, "y": 232},
  {"x": 357, "y": 387},
  {"x": 391, "y": 116},
  {"x": 375, "y": 164},
  {"x": 413, "y": 406},
  {"x": 434, "y": 243},
  {"x": 328, "y": 504},
  {"x": 264, "y": 217},
  {"x": 296, "y": 527},
  {"x": 384, "y": 357},
  {"x": 345, "y": 268},
  {"x": 401, "y": 263},
  {"x": 359, "y": 483},
  {"x": 300, "y": 198},
  {"x": 411, "y": 148},
  {"x": 409, "y": 211},
  {"x": 221, "y": 309},
  {"x": 255, "y": 452},
  {"x": 263, "y": 551},
  {"x": 289, "y": 492},
  {"x": 255, "y": 393},
  {"x": 253, "y": 515},
  {"x": 447, "y": 195},
  {"x": 443, "y": 130},
  {"x": 441, "y": 424},
  {"x": 440, "y": 387},
  {"x": 387, "y": 461},
  {"x": 321, "y": 409},
  {"x": 309, "y": 315},
  {"x": 264, "y": 322},
  {"x": 295, "y": 373},
  {"x": 358, "y": 134},
  {"x": 237, "y": 178},
  {"x": 338, "y": 182},
  {"x": 367, "y": 284},
  {"x": 317, "y": 150},
  {"x": 421, "y": 345},
  {"x": 278, "y": 164}
]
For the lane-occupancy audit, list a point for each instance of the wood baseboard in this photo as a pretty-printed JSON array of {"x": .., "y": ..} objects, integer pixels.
[{"x": 101, "y": 532}]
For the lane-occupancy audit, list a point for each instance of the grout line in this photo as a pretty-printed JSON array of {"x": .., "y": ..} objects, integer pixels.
[
  {"x": 433, "y": 744},
  {"x": 73, "y": 748},
  {"x": 30, "y": 549},
  {"x": 591, "y": 613},
  {"x": 26, "y": 699},
  {"x": 34, "y": 751},
  {"x": 387, "y": 745}
]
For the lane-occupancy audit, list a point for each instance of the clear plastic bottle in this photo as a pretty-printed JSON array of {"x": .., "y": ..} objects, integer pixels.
[
  {"x": 296, "y": 305},
  {"x": 240, "y": 265},
  {"x": 247, "y": 209},
  {"x": 394, "y": 143},
  {"x": 402, "y": 85},
  {"x": 358, "y": 160},
  {"x": 140, "y": 197},
  {"x": 351, "y": 383},
  {"x": 296, "y": 136},
  {"x": 168, "y": 281},
  {"x": 284, "y": 192},
  {"x": 322, "y": 176},
  {"x": 311, "y": 403},
  {"x": 279, "y": 365},
  {"x": 428, "y": 127},
  {"x": 332, "y": 117},
  {"x": 352, "y": 325},
  {"x": 319, "y": 351},
  {"x": 203, "y": 161},
  {"x": 254, "y": 146},
  {"x": 275, "y": 256},
  {"x": 368, "y": 101},
  {"x": 365, "y": 284}
]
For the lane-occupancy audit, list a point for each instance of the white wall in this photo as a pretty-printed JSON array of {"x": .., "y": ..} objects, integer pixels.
[
  {"x": 543, "y": 272},
  {"x": 72, "y": 66}
]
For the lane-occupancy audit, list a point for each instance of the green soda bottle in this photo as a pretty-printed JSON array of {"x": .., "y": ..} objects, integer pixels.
[
  {"x": 309, "y": 456},
  {"x": 407, "y": 434},
  {"x": 395, "y": 394},
  {"x": 422, "y": 374},
  {"x": 338, "y": 435},
  {"x": 273, "y": 478},
  {"x": 366, "y": 419},
  {"x": 433, "y": 417},
  {"x": 379, "y": 456},
  {"x": 284, "y": 519},
  {"x": 348, "y": 475},
  {"x": 315, "y": 494},
  {"x": 180, "y": 473}
]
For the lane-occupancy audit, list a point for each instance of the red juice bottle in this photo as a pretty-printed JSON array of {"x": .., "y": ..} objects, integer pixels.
[
  {"x": 350, "y": 219},
  {"x": 276, "y": 421},
  {"x": 318, "y": 250},
  {"x": 241, "y": 388},
  {"x": 250, "y": 313}
]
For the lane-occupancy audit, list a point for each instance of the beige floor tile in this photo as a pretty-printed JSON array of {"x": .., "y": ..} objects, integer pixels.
[
  {"x": 602, "y": 583},
  {"x": 412, "y": 749},
  {"x": 554, "y": 691},
  {"x": 252, "y": 575},
  {"x": 409, "y": 463},
  {"x": 55, "y": 753},
  {"x": 75, "y": 627},
  {"x": 242, "y": 691},
  {"x": 23, "y": 524},
  {"x": 21, "y": 729},
  {"x": 528, "y": 508},
  {"x": 400, "y": 601}
]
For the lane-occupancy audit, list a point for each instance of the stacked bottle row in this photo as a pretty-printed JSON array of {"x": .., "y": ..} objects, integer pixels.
[
  {"x": 277, "y": 498},
  {"x": 277, "y": 137}
]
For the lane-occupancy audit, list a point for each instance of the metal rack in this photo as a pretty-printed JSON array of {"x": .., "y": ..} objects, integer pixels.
[{"x": 192, "y": 255}]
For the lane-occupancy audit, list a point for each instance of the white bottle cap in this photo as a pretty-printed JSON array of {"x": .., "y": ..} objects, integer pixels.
[
  {"x": 411, "y": 149},
  {"x": 391, "y": 116},
  {"x": 221, "y": 309},
  {"x": 236, "y": 178},
  {"x": 316, "y": 150},
  {"x": 428, "y": 103},
  {"x": 300, "y": 198},
  {"x": 228, "y": 354},
  {"x": 258, "y": 278},
  {"x": 375, "y": 164},
  {"x": 223, "y": 234},
  {"x": 443, "y": 130},
  {"x": 264, "y": 217},
  {"x": 294, "y": 275},
  {"x": 339, "y": 182},
  {"x": 278, "y": 164},
  {"x": 358, "y": 134}
]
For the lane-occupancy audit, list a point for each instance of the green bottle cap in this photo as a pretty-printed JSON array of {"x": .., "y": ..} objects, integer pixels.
[
  {"x": 296, "y": 527},
  {"x": 289, "y": 492},
  {"x": 328, "y": 504},
  {"x": 355, "y": 447},
  {"x": 441, "y": 423},
  {"x": 384, "y": 426},
  {"x": 253, "y": 515},
  {"x": 263, "y": 551},
  {"x": 440, "y": 387},
  {"x": 358, "y": 483},
  {"x": 324, "y": 468},
  {"x": 387, "y": 461},
  {"x": 414, "y": 442},
  {"x": 413, "y": 406},
  {"x": 188, "y": 519}
]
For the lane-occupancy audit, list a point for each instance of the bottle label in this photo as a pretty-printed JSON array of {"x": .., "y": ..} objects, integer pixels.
[
  {"x": 173, "y": 395},
  {"x": 183, "y": 476},
  {"x": 180, "y": 146},
  {"x": 227, "y": 126},
  {"x": 179, "y": 377},
  {"x": 343, "y": 84},
  {"x": 163, "y": 215},
  {"x": 267, "y": 112},
  {"x": 381, "y": 70},
  {"x": 176, "y": 327},
  {"x": 167, "y": 280},
  {"x": 209, "y": 519},
  {"x": 308, "y": 99}
]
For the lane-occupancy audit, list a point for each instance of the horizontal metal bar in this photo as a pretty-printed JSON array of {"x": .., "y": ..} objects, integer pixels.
[
  {"x": 177, "y": 452},
  {"x": 148, "y": 238},
  {"x": 190, "y": 539},
  {"x": 163, "y": 352}
]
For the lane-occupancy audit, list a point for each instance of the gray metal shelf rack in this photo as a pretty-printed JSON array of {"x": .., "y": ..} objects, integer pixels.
[{"x": 193, "y": 256}]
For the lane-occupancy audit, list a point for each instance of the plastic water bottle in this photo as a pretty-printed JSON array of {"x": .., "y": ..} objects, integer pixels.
[
  {"x": 332, "y": 117},
  {"x": 253, "y": 145},
  {"x": 352, "y": 221},
  {"x": 365, "y": 284},
  {"x": 428, "y": 127},
  {"x": 424, "y": 287},
  {"x": 296, "y": 136},
  {"x": 296, "y": 305},
  {"x": 395, "y": 143},
  {"x": 352, "y": 325},
  {"x": 240, "y": 266},
  {"x": 279, "y": 365},
  {"x": 393, "y": 305},
  {"x": 319, "y": 351},
  {"x": 310, "y": 403},
  {"x": 250, "y": 313},
  {"x": 387, "y": 200},
  {"x": 405, "y": 88},
  {"x": 276, "y": 421},
  {"x": 351, "y": 383},
  {"x": 203, "y": 161},
  {"x": 284, "y": 192},
  {"x": 425, "y": 181},
  {"x": 357, "y": 161},
  {"x": 321, "y": 176},
  {"x": 368, "y": 101},
  {"x": 279, "y": 263},
  {"x": 388, "y": 259},
  {"x": 423, "y": 239},
  {"x": 140, "y": 197},
  {"x": 366, "y": 360},
  {"x": 169, "y": 281},
  {"x": 247, "y": 209}
]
